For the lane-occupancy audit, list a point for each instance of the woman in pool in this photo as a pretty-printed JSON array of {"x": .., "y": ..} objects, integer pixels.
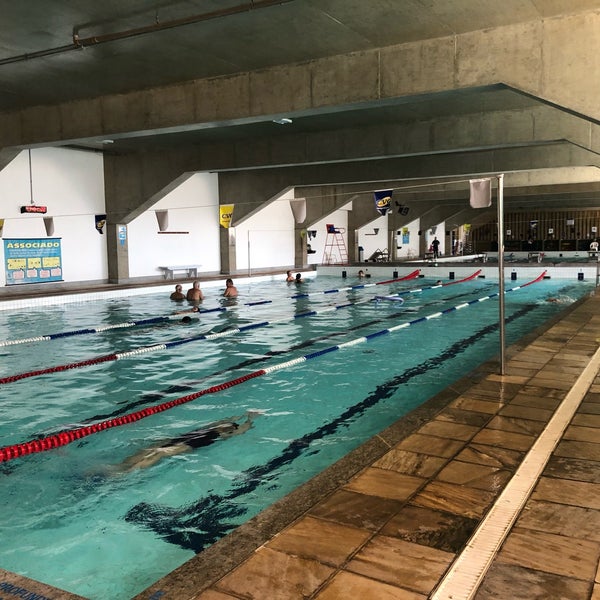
[{"x": 205, "y": 436}]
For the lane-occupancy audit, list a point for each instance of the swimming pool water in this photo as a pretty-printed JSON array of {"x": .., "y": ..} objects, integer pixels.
[{"x": 78, "y": 523}]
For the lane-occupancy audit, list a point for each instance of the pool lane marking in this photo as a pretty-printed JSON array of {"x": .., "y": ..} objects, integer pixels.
[
  {"x": 66, "y": 437},
  {"x": 167, "y": 345},
  {"x": 144, "y": 399},
  {"x": 157, "y": 320},
  {"x": 88, "y": 330},
  {"x": 466, "y": 573},
  {"x": 209, "y": 516}
]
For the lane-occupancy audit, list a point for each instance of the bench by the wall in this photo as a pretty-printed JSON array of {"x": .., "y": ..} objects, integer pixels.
[{"x": 189, "y": 270}]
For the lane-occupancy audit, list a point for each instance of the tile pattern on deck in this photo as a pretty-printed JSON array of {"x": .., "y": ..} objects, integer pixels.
[{"x": 394, "y": 528}]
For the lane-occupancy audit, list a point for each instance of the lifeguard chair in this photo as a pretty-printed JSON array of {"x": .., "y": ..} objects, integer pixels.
[{"x": 335, "y": 252}]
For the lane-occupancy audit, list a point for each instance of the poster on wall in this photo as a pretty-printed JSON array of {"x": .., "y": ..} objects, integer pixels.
[{"x": 32, "y": 260}]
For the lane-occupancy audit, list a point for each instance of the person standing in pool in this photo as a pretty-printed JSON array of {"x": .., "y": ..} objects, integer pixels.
[
  {"x": 205, "y": 436},
  {"x": 178, "y": 293},
  {"x": 230, "y": 289},
  {"x": 289, "y": 277},
  {"x": 194, "y": 294}
]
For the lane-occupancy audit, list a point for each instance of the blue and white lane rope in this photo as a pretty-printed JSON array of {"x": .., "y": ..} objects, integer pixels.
[
  {"x": 66, "y": 437},
  {"x": 64, "y": 334},
  {"x": 159, "y": 347},
  {"x": 377, "y": 334},
  {"x": 157, "y": 320}
]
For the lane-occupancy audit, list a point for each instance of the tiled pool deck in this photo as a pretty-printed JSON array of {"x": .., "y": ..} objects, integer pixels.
[{"x": 388, "y": 520}]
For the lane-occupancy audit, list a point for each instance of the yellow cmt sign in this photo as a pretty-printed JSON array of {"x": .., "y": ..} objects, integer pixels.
[{"x": 225, "y": 214}]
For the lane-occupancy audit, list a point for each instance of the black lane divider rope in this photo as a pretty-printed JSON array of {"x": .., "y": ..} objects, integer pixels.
[
  {"x": 182, "y": 388},
  {"x": 166, "y": 319},
  {"x": 199, "y": 524},
  {"x": 168, "y": 345},
  {"x": 67, "y": 437}
]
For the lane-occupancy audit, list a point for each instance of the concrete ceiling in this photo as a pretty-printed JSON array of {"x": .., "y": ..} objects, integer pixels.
[{"x": 64, "y": 50}]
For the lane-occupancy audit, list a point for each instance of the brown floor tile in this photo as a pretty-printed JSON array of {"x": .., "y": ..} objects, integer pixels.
[
  {"x": 327, "y": 542},
  {"x": 505, "y": 439},
  {"x": 573, "y": 468},
  {"x": 554, "y": 383},
  {"x": 274, "y": 575},
  {"x": 573, "y": 493},
  {"x": 586, "y": 420},
  {"x": 433, "y": 445},
  {"x": 557, "y": 365},
  {"x": 551, "y": 553},
  {"x": 542, "y": 392},
  {"x": 589, "y": 408},
  {"x": 213, "y": 595},
  {"x": 492, "y": 456},
  {"x": 593, "y": 394},
  {"x": 411, "y": 566},
  {"x": 535, "y": 354},
  {"x": 481, "y": 477},
  {"x": 434, "y": 528},
  {"x": 502, "y": 392},
  {"x": 518, "y": 379},
  {"x": 454, "y": 431},
  {"x": 526, "y": 412},
  {"x": 465, "y": 417},
  {"x": 570, "y": 521},
  {"x": 583, "y": 450},
  {"x": 536, "y": 401},
  {"x": 385, "y": 484},
  {"x": 582, "y": 434},
  {"x": 350, "y": 585},
  {"x": 483, "y": 406},
  {"x": 453, "y": 498},
  {"x": 510, "y": 582},
  {"x": 411, "y": 463},
  {"x": 517, "y": 425},
  {"x": 358, "y": 510},
  {"x": 520, "y": 370}
]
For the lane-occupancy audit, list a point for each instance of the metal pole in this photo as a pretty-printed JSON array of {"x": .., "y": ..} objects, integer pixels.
[{"x": 501, "y": 268}]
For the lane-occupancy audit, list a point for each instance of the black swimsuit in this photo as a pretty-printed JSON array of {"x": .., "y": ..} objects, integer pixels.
[{"x": 198, "y": 438}]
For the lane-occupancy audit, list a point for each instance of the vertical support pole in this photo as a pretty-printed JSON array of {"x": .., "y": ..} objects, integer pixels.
[
  {"x": 249, "y": 263},
  {"x": 501, "y": 269}
]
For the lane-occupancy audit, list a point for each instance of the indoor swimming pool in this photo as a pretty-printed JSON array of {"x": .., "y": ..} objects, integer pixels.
[{"x": 308, "y": 372}]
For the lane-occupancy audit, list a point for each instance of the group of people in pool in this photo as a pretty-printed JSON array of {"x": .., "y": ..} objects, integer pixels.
[
  {"x": 194, "y": 294},
  {"x": 289, "y": 278}
]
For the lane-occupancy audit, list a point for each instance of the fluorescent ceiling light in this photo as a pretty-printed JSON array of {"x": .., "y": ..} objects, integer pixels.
[{"x": 282, "y": 121}]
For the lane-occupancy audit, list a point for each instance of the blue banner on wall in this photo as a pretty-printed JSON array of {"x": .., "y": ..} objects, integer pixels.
[
  {"x": 383, "y": 201},
  {"x": 32, "y": 260}
]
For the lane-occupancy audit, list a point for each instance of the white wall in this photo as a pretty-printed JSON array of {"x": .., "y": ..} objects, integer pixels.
[
  {"x": 410, "y": 250},
  {"x": 192, "y": 207},
  {"x": 71, "y": 184},
  {"x": 370, "y": 242},
  {"x": 266, "y": 239}
]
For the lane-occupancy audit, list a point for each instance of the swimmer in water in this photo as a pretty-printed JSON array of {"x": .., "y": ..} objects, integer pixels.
[
  {"x": 205, "y": 436},
  {"x": 560, "y": 300}
]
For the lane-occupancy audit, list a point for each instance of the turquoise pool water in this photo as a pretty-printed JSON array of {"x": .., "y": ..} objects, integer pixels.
[{"x": 75, "y": 520}]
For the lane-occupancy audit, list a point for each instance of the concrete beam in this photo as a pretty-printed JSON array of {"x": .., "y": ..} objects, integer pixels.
[{"x": 549, "y": 59}]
